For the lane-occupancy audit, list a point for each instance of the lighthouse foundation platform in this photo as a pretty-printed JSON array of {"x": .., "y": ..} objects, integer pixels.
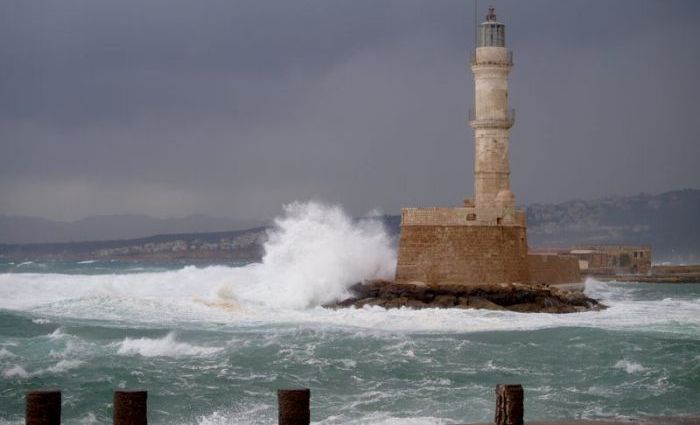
[{"x": 474, "y": 246}]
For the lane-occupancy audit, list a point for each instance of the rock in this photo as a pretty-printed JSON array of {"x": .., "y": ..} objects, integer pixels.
[
  {"x": 525, "y": 308},
  {"x": 483, "y": 303},
  {"x": 370, "y": 302},
  {"x": 345, "y": 303},
  {"x": 443, "y": 301},
  {"x": 418, "y": 292},
  {"x": 506, "y": 296},
  {"x": 396, "y": 302},
  {"x": 416, "y": 304},
  {"x": 561, "y": 309}
]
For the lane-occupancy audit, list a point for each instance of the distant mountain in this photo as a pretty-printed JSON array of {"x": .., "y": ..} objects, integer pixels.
[
  {"x": 19, "y": 229},
  {"x": 669, "y": 222}
]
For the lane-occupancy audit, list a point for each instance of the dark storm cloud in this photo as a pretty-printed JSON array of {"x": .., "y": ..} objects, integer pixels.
[{"x": 232, "y": 108}]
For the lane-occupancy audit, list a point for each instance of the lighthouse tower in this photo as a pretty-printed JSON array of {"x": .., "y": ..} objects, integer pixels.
[
  {"x": 485, "y": 240},
  {"x": 491, "y": 120}
]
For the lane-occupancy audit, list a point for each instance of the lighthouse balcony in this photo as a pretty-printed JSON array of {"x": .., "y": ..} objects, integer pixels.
[
  {"x": 492, "y": 121},
  {"x": 492, "y": 56}
]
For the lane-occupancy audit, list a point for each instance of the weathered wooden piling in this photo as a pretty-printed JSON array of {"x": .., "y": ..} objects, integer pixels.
[
  {"x": 43, "y": 407},
  {"x": 130, "y": 407},
  {"x": 294, "y": 406},
  {"x": 509, "y": 404}
]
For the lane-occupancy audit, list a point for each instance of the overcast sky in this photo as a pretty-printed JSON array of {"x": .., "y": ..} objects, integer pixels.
[{"x": 232, "y": 108}]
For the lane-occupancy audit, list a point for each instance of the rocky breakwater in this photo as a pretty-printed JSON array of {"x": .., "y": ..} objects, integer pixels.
[{"x": 512, "y": 297}]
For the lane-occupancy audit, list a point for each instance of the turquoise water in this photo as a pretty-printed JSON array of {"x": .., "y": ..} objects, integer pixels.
[{"x": 212, "y": 345}]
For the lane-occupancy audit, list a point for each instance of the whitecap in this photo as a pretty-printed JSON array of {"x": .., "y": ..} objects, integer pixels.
[
  {"x": 15, "y": 371},
  {"x": 88, "y": 419},
  {"x": 18, "y": 371},
  {"x": 385, "y": 419},
  {"x": 62, "y": 366},
  {"x": 6, "y": 354},
  {"x": 57, "y": 334},
  {"x": 163, "y": 347},
  {"x": 248, "y": 415},
  {"x": 629, "y": 366}
]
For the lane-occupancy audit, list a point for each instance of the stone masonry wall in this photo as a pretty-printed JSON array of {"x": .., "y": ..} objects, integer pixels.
[
  {"x": 462, "y": 254},
  {"x": 553, "y": 269},
  {"x": 462, "y": 216}
]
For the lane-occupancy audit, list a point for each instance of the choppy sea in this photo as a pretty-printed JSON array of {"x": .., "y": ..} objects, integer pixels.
[{"x": 213, "y": 344}]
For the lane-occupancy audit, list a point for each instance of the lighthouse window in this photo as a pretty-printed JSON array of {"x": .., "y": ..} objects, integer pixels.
[{"x": 491, "y": 35}]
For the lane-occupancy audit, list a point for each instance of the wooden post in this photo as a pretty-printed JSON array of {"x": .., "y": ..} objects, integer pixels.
[
  {"x": 43, "y": 407},
  {"x": 294, "y": 407},
  {"x": 509, "y": 404},
  {"x": 130, "y": 407}
]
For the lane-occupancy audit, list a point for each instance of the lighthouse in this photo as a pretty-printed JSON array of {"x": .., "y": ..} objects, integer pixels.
[
  {"x": 484, "y": 241},
  {"x": 491, "y": 120}
]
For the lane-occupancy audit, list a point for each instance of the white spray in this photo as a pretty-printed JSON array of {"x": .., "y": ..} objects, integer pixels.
[{"x": 313, "y": 254}]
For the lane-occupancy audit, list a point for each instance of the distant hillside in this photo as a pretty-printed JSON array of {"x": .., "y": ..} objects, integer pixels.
[
  {"x": 19, "y": 229},
  {"x": 241, "y": 245},
  {"x": 669, "y": 222}
]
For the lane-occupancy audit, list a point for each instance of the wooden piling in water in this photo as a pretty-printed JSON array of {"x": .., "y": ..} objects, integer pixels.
[
  {"x": 294, "y": 406},
  {"x": 130, "y": 407},
  {"x": 43, "y": 407},
  {"x": 509, "y": 404}
]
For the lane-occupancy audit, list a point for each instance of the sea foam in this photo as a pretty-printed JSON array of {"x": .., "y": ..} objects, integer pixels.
[
  {"x": 163, "y": 347},
  {"x": 15, "y": 371},
  {"x": 314, "y": 253},
  {"x": 629, "y": 367}
]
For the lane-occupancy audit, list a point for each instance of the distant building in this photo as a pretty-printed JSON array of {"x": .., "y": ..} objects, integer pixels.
[{"x": 607, "y": 259}]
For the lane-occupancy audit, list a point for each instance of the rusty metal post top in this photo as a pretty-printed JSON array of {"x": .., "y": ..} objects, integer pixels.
[
  {"x": 294, "y": 406},
  {"x": 43, "y": 392},
  {"x": 130, "y": 407},
  {"x": 294, "y": 390},
  {"x": 509, "y": 387},
  {"x": 509, "y": 404},
  {"x": 125, "y": 391},
  {"x": 43, "y": 407}
]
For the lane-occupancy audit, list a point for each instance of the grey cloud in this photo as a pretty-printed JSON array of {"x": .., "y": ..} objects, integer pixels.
[{"x": 232, "y": 108}]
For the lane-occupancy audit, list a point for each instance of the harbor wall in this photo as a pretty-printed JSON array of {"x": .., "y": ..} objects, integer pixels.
[{"x": 553, "y": 269}]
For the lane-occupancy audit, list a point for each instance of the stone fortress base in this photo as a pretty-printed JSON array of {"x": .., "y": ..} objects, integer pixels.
[{"x": 470, "y": 246}]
